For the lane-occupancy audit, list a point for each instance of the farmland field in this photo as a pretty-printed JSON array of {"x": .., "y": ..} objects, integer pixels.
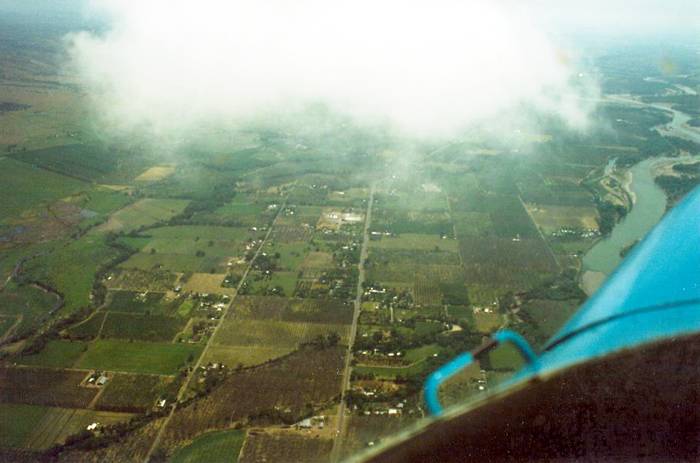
[
  {"x": 19, "y": 192},
  {"x": 25, "y": 301},
  {"x": 365, "y": 429},
  {"x": 271, "y": 333},
  {"x": 285, "y": 446},
  {"x": 18, "y": 422},
  {"x": 134, "y": 302},
  {"x": 56, "y": 353},
  {"x": 197, "y": 279},
  {"x": 134, "y": 393},
  {"x": 28, "y": 385},
  {"x": 553, "y": 218},
  {"x": 416, "y": 242},
  {"x": 71, "y": 269},
  {"x": 247, "y": 356},
  {"x": 143, "y": 213},
  {"x": 215, "y": 447},
  {"x": 207, "y": 283},
  {"x": 292, "y": 309},
  {"x": 59, "y": 423},
  {"x": 307, "y": 377},
  {"x": 141, "y": 327},
  {"x": 137, "y": 356},
  {"x": 502, "y": 261}
]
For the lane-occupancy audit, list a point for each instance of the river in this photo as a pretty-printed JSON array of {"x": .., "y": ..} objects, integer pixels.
[{"x": 648, "y": 208}]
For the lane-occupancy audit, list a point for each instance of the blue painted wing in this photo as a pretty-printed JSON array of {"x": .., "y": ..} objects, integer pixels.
[{"x": 654, "y": 294}]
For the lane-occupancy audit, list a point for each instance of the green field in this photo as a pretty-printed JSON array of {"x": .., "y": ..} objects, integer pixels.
[
  {"x": 234, "y": 356},
  {"x": 17, "y": 422},
  {"x": 25, "y": 301},
  {"x": 87, "y": 329},
  {"x": 18, "y": 187},
  {"x": 138, "y": 356},
  {"x": 71, "y": 268},
  {"x": 270, "y": 333},
  {"x": 141, "y": 327},
  {"x": 143, "y": 213},
  {"x": 213, "y": 447},
  {"x": 56, "y": 354},
  {"x": 264, "y": 285}
]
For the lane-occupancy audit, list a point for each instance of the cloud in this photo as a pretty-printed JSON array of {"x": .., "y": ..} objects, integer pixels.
[{"x": 426, "y": 67}]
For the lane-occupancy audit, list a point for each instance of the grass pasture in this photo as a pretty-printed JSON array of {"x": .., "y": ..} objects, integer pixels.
[
  {"x": 400, "y": 222},
  {"x": 190, "y": 248},
  {"x": 317, "y": 261},
  {"x": 87, "y": 329},
  {"x": 143, "y": 213},
  {"x": 264, "y": 284},
  {"x": 472, "y": 223},
  {"x": 90, "y": 162},
  {"x": 552, "y": 218},
  {"x": 18, "y": 187},
  {"x": 17, "y": 422},
  {"x": 331, "y": 311},
  {"x": 487, "y": 322},
  {"x": 207, "y": 283},
  {"x": 550, "y": 315},
  {"x": 72, "y": 267},
  {"x": 212, "y": 447},
  {"x": 291, "y": 233},
  {"x": 137, "y": 356},
  {"x": 121, "y": 279},
  {"x": 141, "y": 327},
  {"x": 56, "y": 354},
  {"x": 27, "y": 303},
  {"x": 246, "y": 356},
  {"x": 275, "y": 334},
  {"x": 135, "y": 302},
  {"x": 155, "y": 173}
]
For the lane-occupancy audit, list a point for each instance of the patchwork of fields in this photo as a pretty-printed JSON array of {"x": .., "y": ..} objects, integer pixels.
[{"x": 203, "y": 301}]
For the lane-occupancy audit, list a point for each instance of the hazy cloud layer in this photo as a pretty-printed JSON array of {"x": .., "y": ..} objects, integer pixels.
[{"x": 426, "y": 67}]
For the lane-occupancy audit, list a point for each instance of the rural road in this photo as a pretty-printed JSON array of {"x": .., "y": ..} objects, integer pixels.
[
  {"x": 191, "y": 375},
  {"x": 341, "y": 428}
]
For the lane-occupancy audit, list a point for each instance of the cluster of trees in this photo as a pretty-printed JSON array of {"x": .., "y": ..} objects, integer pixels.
[
  {"x": 324, "y": 341},
  {"x": 609, "y": 214},
  {"x": 676, "y": 187}
]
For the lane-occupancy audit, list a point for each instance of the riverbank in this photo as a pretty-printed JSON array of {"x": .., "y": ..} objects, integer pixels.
[{"x": 649, "y": 206}]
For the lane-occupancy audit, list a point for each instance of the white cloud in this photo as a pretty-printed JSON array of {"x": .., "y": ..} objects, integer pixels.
[{"x": 427, "y": 67}]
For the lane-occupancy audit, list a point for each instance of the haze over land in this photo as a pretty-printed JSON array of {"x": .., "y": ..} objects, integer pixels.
[{"x": 219, "y": 219}]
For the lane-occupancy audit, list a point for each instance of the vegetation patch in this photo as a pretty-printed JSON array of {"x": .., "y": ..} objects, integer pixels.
[
  {"x": 143, "y": 213},
  {"x": 29, "y": 386},
  {"x": 281, "y": 391},
  {"x": 136, "y": 393},
  {"x": 213, "y": 447},
  {"x": 287, "y": 446},
  {"x": 141, "y": 327},
  {"x": 56, "y": 354},
  {"x": 138, "y": 356},
  {"x": 17, "y": 423},
  {"x": 271, "y": 333}
]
